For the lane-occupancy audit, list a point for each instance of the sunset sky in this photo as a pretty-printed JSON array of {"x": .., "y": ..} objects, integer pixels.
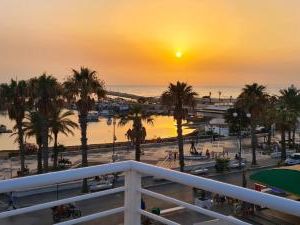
[{"x": 217, "y": 42}]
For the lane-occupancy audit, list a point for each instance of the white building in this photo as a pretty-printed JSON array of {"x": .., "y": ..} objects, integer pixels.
[{"x": 218, "y": 126}]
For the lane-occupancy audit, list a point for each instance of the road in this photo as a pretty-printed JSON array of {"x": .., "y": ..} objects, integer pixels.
[{"x": 184, "y": 193}]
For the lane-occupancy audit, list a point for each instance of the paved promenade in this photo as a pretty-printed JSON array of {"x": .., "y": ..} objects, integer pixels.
[{"x": 153, "y": 154}]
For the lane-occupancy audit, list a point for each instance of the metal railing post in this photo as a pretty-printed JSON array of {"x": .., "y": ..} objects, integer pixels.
[{"x": 132, "y": 198}]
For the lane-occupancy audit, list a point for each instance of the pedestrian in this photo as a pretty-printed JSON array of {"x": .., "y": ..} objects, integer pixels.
[
  {"x": 143, "y": 204},
  {"x": 193, "y": 148},
  {"x": 12, "y": 201},
  {"x": 207, "y": 153}
]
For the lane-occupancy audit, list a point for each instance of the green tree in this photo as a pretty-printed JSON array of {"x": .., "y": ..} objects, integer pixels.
[
  {"x": 33, "y": 128},
  {"x": 268, "y": 117},
  {"x": 15, "y": 98},
  {"x": 239, "y": 123},
  {"x": 287, "y": 113},
  {"x": 290, "y": 97},
  {"x": 178, "y": 96},
  {"x": 138, "y": 131},
  {"x": 60, "y": 122},
  {"x": 82, "y": 88},
  {"x": 252, "y": 100},
  {"x": 45, "y": 93}
]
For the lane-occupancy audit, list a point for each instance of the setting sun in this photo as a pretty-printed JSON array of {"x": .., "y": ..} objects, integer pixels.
[{"x": 178, "y": 54}]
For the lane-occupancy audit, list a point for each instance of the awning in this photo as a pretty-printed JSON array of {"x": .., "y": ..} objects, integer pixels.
[{"x": 284, "y": 178}]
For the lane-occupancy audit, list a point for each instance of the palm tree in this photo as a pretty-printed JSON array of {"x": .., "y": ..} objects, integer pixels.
[
  {"x": 45, "y": 94},
  {"x": 219, "y": 92},
  {"x": 179, "y": 95},
  {"x": 15, "y": 97},
  {"x": 284, "y": 119},
  {"x": 252, "y": 99},
  {"x": 128, "y": 135},
  {"x": 81, "y": 88},
  {"x": 33, "y": 128},
  {"x": 138, "y": 131},
  {"x": 291, "y": 99},
  {"x": 269, "y": 116},
  {"x": 239, "y": 123},
  {"x": 59, "y": 122},
  {"x": 288, "y": 110}
]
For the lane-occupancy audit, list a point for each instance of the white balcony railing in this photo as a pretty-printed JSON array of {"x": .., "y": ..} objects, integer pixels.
[{"x": 133, "y": 191}]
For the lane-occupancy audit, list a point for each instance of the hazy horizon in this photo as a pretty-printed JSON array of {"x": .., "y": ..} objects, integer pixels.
[{"x": 205, "y": 43}]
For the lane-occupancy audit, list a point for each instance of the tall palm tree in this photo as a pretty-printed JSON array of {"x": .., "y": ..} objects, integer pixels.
[
  {"x": 288, "y": 110},
  {"x": 15, "y": 97},
  {"x": 46, "y": 91},
  {"x": 138, "y": 131},
  {"x": 269, "y": 116},
  {"x": 82, "y": 88},
  {"x": 179, "y": 95},
  {"x": 60, "y": 122},
  {"x": 252, "y": 99},
  {"x": 33, "y": 128},
  {"x": 291, "y": 99}
]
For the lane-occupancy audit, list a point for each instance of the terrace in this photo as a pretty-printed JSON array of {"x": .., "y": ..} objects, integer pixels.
[{"x": 133, "y": 191}]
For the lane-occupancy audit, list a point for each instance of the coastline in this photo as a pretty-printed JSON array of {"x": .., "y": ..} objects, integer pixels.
[{"x": 103, "y": 146}]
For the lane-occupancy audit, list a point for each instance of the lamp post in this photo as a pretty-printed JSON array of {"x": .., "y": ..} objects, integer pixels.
[
  {"x": 114, "y": 122},
  {"x": 239, "y": 117}
]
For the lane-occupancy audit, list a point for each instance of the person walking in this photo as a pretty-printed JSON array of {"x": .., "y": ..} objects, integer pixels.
[
  {"x": 12, "y": 201},
  {"x": 193, "y": 149}
]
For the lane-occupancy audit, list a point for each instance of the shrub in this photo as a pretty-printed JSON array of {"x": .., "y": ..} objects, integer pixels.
[{"x": 222, "y": 164}]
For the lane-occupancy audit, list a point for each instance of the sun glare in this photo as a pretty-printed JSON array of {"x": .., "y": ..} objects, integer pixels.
[{"x": 178, "y": 54}]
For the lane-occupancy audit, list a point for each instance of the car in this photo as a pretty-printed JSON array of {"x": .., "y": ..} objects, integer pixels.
[
  {"x": 100, "y": 186},
  {"x": 272, "y": 191},
  {"x": 199, "y": 171},
  {"x": 236, "y": 164},
  {"x": 205, "y": 203},
  {"x": 293, "y": 159}
]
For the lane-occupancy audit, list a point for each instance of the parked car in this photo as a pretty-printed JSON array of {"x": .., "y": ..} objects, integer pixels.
[
  {"x": 199, "y": 171},
  {"x": 205, "y": 203},
  {"x": 101, "y": 184},
  {"x": 236, "y": 164},
  {"x": 293, "y": 159}
]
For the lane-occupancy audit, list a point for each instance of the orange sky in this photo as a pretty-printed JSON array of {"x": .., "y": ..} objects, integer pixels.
[{"x": 223, "y": 42}]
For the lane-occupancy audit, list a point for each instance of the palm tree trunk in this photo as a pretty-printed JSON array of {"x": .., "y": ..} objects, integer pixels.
[
  {"x": 84, "y": 148},
  {"x": 253, "y": 144},
  {"x": 39, "y": 160},
  {"x": 294, "y": 136},
  {"x": 283, "y": 145},
  {"x": 290, "y": 137},
  {"x": 269, "y": 138},
  {"x": 138, "y": 132},
  {"x": 138, "y": 150},
  {"x": 45, "y": 144},
  {"x": 55, "y": 151},
  {"x": 21, "y": 145},
  {"x": 180, "y": 144}
]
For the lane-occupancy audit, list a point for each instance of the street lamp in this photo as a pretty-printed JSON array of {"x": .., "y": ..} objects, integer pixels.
[
  {"x": 114, "y": 122},
  {"x": 236, "y": 115}
]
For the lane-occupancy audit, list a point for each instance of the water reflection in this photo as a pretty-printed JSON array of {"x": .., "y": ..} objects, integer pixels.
[{"x": 99, "y": 132}]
